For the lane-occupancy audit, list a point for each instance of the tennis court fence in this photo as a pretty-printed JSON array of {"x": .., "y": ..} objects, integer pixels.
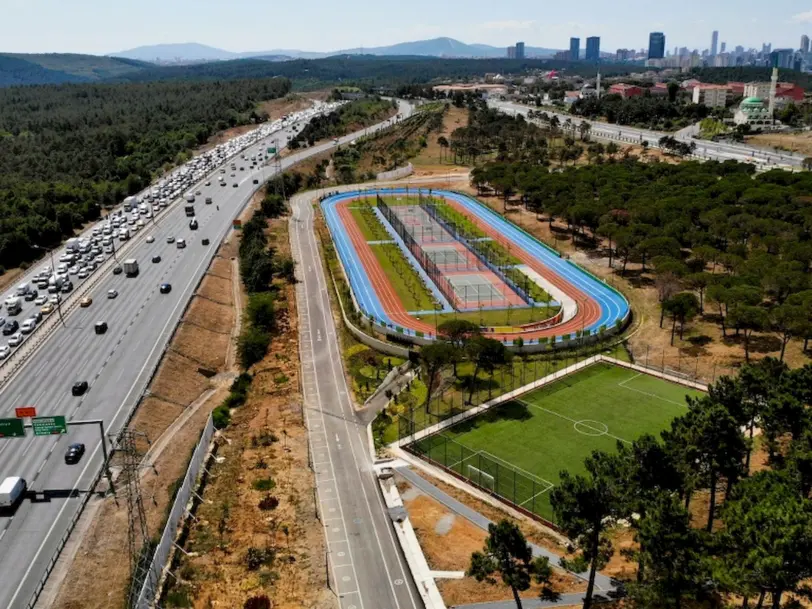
[{"x": 520, "y": 489}]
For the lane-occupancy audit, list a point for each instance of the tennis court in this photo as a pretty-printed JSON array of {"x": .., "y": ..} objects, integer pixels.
[
  {"x": 482, "y": 289},
  {"x": 519, "y": 449}
]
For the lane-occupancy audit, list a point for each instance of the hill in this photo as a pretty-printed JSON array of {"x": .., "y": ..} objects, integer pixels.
[
  {"x": 59, "y": 68},
  {"x": 445, "y": 47}
]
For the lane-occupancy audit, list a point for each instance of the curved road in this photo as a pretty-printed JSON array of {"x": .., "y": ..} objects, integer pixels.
[{"x": 117, "y": 365}]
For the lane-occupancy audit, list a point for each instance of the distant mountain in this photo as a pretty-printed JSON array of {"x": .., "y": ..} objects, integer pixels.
[
  {"x": 437, "y": 47},
  {"x": 58, "y": 68}
]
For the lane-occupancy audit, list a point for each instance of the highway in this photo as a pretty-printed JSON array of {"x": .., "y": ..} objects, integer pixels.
[
  {"x": 720, "y": 151},
  {"x": 118, "y": 366},
  {"x": 367, "y": 568}
]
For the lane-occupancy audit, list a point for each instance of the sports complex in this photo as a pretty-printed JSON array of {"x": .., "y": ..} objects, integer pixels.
[{"x": 414, "y": 258}]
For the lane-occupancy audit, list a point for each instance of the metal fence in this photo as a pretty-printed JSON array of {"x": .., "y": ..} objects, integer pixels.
[
  {"x": 395, "y": 174},
  {"x": 152, "y": 582}
]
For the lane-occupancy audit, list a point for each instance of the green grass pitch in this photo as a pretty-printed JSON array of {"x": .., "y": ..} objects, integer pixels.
[{"x": 555, "y": 428}]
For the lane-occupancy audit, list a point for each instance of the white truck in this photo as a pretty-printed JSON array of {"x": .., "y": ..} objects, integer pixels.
[
  {"x": 129, "y": 203},
  {"x": 14, "y": 305},
  {"x": 72, "y": 244},
  {"x": 12, "y": 490},
  {"x": 131, "y": 267},
  {"x": 123, "y": 234},
  {"x": 22, "y": 289}
]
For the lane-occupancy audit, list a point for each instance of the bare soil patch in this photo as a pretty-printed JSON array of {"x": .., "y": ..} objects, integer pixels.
[
  {"x": 794, "y": 142},
  {"x": 216, "y": 288}
]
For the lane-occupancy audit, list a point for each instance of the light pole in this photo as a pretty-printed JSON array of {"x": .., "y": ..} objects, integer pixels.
[{"x": 53, "y": 273}]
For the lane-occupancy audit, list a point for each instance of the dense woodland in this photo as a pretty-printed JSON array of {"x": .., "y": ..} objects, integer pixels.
[
  {"x": 349, "y": 117},
  {"x": 749, "y": 74},
  {"x": 67, "y": 151},
  {"x": 645, "y": 111}
]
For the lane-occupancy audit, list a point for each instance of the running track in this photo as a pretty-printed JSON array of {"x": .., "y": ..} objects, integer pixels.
[{"x": 598, "y": 303}]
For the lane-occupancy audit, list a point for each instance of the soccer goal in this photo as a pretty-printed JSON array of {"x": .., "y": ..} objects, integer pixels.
[{"x": 483, "y": 479}]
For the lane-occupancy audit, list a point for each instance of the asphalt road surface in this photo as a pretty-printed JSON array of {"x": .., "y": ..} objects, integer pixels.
[
  {"x": 720, "y": 151},
  {"x": 367, "y": 569},
  {"x": 117, "y": 365}
]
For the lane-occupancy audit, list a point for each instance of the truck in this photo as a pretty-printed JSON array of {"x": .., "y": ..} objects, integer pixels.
[
  {"x": 23, "y": 289},
  {"x": 190, "y": 197},
  {"x": 190, "y": 210},
  {"x": 131, "y": 267},
  {"x": 129, "y": 203},
  {"x": 14, "y": 305},
  {"x": 12, "y": 490},
  {"x": 123, "y": 234},
  {"x": 72, "y": 244},
  {"x": 208, "y": 200}
]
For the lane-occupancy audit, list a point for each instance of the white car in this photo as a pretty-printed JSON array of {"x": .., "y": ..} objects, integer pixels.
[
  {"x": 41, "y": 300},
  {"x": 208, "y": 183},
  {"x": 84, "y": 272},
  {"x": 139, "y": 223},
  {"x": 74, "y": 270},
  {"x": 54, "y": 299},
  {"x": 28, "y": 326},
  {"x": 4, "y": 351},
  {"x": 91, "y": 264},
  {"x": 99, "y": 259},
  {"x": 150, "y": 239},
  {"x": 111, "y": 294},
  {"x": 15, "y": 339}
]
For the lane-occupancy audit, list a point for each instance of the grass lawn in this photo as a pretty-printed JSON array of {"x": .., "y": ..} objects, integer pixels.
[
  {"x": 370, "y": 225},
  {"x": 555, "y": 428},
  {"x": 499, "y": 317},
  {"x": 413, "y": 293}
]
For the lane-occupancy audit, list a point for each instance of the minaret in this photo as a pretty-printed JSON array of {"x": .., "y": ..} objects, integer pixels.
[
  {"x": 598, "y": 84},
  {"x": 773, "y": 87}
]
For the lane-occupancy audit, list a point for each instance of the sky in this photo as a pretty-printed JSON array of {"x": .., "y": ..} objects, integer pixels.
[{"x": 105, "y": 26}]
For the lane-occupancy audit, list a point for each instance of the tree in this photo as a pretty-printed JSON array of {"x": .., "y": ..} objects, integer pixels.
[
  {"x": 583, "y": 506},
  {"x": 442, "y": 141},
  {"x": 261, "y": 310},
  {"x": 699, "y": 282},
  {"x": 435, "y": 357},
  {"x": 769, "y": 532},
  {"x": 788, "y": 321},
  {"x": 682, "y": 308},
  {"x": 673, "y": 89},
  {"x": 749, "y": 319},
  {"x": 507, "y": 552},
  {"x": 486, "y": 354},
  {"x": 672, "y": 552},
  {"x": 457, "y": 332},
  {"x": 807, "y": 163},
  {"x": 252, "y": 346}
]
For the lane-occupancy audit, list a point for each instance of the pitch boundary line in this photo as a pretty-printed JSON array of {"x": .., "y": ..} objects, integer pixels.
[
  {"x": 573, "y": 421},
  {"x": 651, "y": 395},
  {"x": 507, "y": 465}
]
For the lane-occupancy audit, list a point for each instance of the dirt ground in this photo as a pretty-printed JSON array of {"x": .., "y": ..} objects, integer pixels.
[
  {"x": 177, "y": 385},
  {"x": 793, "y": 142},
  {"x": 448, "y": 541}
]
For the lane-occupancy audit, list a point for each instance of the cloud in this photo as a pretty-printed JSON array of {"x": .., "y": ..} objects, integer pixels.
[
  {"x": 507, "y": 25},
  {"x": 805, "y": 17}
]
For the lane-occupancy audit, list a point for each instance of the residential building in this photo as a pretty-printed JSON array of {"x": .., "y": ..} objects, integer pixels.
[
  {"x": 804, "y": 44},
  {"x": 656, "y": 45},
  {"x": 570, "y": 97},
  {"x": 712, "y": 96},
  {"x": 714, "y": 43},
  {"x": 562, "y": 56},
  {"x": 625, "y": 90},
  {"x": 722, "y": 60},
  {"x": 575, "y": 49},
  {"x": 511, "y": 52},
  {"x": 519, "y": 50},
  {"x": 723, "y": 48},
  {"x": 782, "y": 58},
  {"x": 624, "y": 54},
  {"x": 761, "y": 90},
  {"x": 660, "y": 89},
  {"x": 593, "y": 49}
]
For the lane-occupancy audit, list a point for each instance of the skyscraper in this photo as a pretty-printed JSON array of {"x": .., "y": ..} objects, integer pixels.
[
  {"x": 575, "y": 49},
  {"x": 593, "y": 48},
  {"x": 519, "y": 50},
  {"x": 723, "y": 48},
  {"x": 511, "y": 52},
  {"x": 804, "y": 44},
  {"x": 656, "y": 45},
  {"x": 714, "y": 43}
]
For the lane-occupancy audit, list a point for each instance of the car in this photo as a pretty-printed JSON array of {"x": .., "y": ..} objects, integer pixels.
[
  {"x": 54, "y": 299},
  {"x": 256, "y": 181},
  {"x": 47, "y": 308},
  {"x": 74, "y": 270},
  {"x": 112, "y": 294},
  {"x": 86, "y": 302},
  {"x": 208, "y": 182},
  {"x": 235, "y": 185},
  {"x": 41, "y": 300},
  {"x": 99, "y": 259},
  {"x": 166, "y": 288},
  {"x": 15, "y": 340},
  {"x": 181, "y": 243},
  {"x": 74, "y": 454},
  {"x": 2, "y": 321},
  {"x": 222, "y": 183},
  {"x": 242, "y": 168},
  {"x": 5, "y": 350},
  {"x": 156, "y": 259},
  {"x": 150, "y": 239},
  {"x": 10, "y": 327},
  {"x": 67, "y": 287},
  {"x": 27, "y": 327},
  {"x": 31, "y": 295},
  {"x": 79, "y": 388},
  {"x": 222, "y": 170},
  {"x": 197, "y": 193},
  {"x": 117, "y": 270},
  {"x": 84, "y": 272},
  {"x": 233, "y": 175},
  {"x": 205, "y": 241},
  {"x": 100, "y": 327},
  {"x": 170, "y": 239}
]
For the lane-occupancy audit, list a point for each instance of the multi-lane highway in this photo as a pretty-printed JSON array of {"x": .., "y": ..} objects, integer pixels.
[
  {"x": 117, "y": 365},
  {"x": 720, "y": 151},
  {"x": 367, "y": 568}
]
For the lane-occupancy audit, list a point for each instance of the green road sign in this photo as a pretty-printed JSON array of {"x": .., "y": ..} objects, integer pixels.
[
  {"x": 49, "y": 426},
  {"x": 271, "y": 150},
  {"x": 11, "y": 428}
]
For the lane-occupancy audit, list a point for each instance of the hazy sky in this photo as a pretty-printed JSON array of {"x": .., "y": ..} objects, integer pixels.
[{"x": 104, "y": 26}]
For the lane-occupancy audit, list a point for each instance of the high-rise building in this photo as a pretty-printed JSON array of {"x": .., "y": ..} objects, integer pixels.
[
  {"x": 624, "y": 54},
  {"x": 519, "y": 50},
  {"x": 511, "y": 52},
  {"x": 782, "y": 58},
  {"x": 656, "y": 45},
  {"x": 723, "y": 48},
  {"x": 714, "y": 42},
  {"x": 575, "y": 49},
  {"x": 593, "y": 49},
  {"x": 804, "y": 44}
]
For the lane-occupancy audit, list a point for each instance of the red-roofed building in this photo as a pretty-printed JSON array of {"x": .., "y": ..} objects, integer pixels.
[
  {"x": 788, "y": 89},
  {"x": 659, "y": 90},
  {"x": 737, "y": 88},
  {"x": 625, "y": 91}
]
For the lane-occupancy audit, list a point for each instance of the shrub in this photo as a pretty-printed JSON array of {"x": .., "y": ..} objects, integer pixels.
[
  {"x": 252, "y": 346},
  {"x": 264, "y": 484},
  {"x": 221, "y": 416},
  {"x": 256, "y": 557},
  {"x": 268, "y": 502},
  {"x": 261, "y": 310},
  {"x": 258, "y": 602}
]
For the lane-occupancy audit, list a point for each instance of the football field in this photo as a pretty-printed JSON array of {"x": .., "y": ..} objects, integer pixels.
[{"x": 518, "y": 449}]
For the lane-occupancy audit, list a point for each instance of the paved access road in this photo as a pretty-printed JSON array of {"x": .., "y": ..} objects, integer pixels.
[
  {"x": 720, "y": 151},
  {"x": 117, "y": 365},
  {"x": 367, "y": 568}
]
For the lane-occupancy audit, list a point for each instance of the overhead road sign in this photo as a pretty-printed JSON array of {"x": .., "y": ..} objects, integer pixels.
[{"x": 49, "y": 426}]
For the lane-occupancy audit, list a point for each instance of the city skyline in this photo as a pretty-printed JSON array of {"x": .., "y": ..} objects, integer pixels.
[{"x": 109, "y": 27}]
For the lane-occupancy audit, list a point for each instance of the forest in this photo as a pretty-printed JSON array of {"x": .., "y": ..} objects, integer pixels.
[
  {"x": 66, "y": 151},
  {"x": 349, "y": 117},
  {"x": 646, "y": 111},
  {"x": 749, "y": 74}
]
